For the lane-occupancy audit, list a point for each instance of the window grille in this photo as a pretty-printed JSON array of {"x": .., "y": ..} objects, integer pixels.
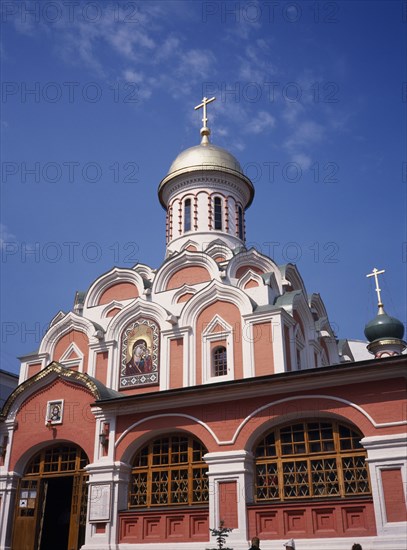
[
  {"x": 311, "y": 460},
  {"x": 218, "y": 213},
  {"x": 220, "y": 363},
  {"x": 169, "y": 471},
  {"x": 187, "y": 215}
]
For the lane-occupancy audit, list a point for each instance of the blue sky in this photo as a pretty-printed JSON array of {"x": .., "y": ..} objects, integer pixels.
[{"x": 98, "y": 99}]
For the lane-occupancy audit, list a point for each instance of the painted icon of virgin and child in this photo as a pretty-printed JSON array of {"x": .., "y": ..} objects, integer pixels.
[{"x": 141, "y": 361}]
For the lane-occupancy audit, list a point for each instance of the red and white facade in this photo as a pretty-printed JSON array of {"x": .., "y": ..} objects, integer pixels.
[{"x": 210, "y": 389}]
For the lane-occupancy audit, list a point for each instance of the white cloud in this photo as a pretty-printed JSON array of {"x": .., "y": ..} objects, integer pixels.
[
  {"x": 133, "y": 76},
  {"x": 262, "y": 122},
  {"x": 307, "y": 133},
  {"x": 6, "y": 236},
  {"x": 256, "y": 65},
  {"x": 292, "y": 111},
  {"x": 194, "y": 63},
  {"x": 302, "y": 160},
  {"x": 169, "y": 48}
]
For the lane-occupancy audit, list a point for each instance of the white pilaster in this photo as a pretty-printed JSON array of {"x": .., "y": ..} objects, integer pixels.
[
  {"x": 384, "y": 453},
  {"x": 8, "y": 489},
  {"x": 236, "y": 466},
  {"x": 116, "y": 476}
]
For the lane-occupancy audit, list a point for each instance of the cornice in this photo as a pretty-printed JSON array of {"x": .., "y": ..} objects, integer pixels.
[
  {"x": 270, "y": 385},
  {"x": 203, "y": 181}
]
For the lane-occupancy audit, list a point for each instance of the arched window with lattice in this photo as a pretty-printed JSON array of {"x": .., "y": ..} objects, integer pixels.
[
  {"x": 219, "y": 361},
  {"x": 218, "y": 214},
  {"x": 187, "y": 215},
  {"x": 169, "y": 471},
  {"x": 312, "y": 459}
]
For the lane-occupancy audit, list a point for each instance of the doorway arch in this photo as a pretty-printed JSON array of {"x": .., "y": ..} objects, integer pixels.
[{"x": 51, "y": 504}]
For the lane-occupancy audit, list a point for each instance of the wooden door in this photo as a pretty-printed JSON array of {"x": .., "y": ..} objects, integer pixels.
[
  {"x": 54, "y": 471},
  {"x": 78, "y": 512},
  {"x": 30, "y": 499}
]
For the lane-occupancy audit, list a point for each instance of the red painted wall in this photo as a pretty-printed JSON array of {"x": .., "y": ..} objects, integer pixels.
[
  {"x": 191, "y": 275},
  {"x": 119, "y": 291},
  {"x": 176, "y": 362},
  {"x": 228, "y": 504},
  {"x": 353, "y": 518},
  {"x": 230, "y": 313},
  {"x": 63, "y": 343},
  {"x": 394, "y": 495},
  {"x": 163, "y": 526},
  {"x": 263, "y": 349},
  {"x": 101, "y": 366},
  {"x": 78, "y": 424}
]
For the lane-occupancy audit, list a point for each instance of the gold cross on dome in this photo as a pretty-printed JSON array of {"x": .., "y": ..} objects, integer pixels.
[
  {"x": 375, "y": 273},
  {"x": 203, "y": 105}
]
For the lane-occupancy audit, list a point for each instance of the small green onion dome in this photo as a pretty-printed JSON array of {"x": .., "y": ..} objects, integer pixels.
[{"x": 383, "y": 326}]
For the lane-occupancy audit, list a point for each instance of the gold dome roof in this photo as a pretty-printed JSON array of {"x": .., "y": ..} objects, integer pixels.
[{"x": 205, "y": 157}]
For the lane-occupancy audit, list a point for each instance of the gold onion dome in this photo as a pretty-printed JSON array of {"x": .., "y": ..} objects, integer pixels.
[{"x": 205, "y": 156}]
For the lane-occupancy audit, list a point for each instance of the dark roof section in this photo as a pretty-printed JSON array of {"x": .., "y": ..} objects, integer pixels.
[
  {"x": 8, "y": 373},
  {"x": 97, "y": 388},
  {"x": 261, "y": 380}
]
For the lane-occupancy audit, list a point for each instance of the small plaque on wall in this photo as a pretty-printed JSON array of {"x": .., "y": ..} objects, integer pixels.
[
  {"x": 55, "y": 412},
  {"x": 99, "y": 502}
]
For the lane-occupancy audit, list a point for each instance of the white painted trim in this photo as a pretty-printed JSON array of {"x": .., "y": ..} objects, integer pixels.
[
  {"x": 208, "y": 337},
  {"x": 254, "y": 413},
  {"x": 70, "y": 322},
  {"x": 77, "y": 361},
  {"x": 111, "y": 305},
  {"x": 43, "y": 359},
  {"x": 316, "y": 396},
  {"x": 184, "y": 289},
  {"x": 214, "y": 291},
  {"x": 253, "y": 257},
  {"x": 230, "y": 466},
  {"x": 136, "y": 308},
  {"x": 219, "y": 247},
  {"x": 386, "y": 453},
  {"x": 112, "y": 277},
  {"x": 181, "y": 261},
  {"x": 169, "y": 415},
  {"x": 249, "y": 275}
]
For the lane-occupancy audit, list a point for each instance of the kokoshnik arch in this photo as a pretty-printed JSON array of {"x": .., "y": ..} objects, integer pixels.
[{"x": 210, "y": 389}]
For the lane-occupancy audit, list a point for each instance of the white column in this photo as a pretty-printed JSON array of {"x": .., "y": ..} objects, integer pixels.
[
  {"x": 8, "y": 488},
  {"x": 384, "y": 453},
  {"x": 109, "y": 481},
  {"x": 235, "y": 466}
]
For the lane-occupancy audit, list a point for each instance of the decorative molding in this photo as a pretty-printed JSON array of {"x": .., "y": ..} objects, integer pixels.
[
  {"x": 208, "y": 338},
  {"x": 291, "y": 277},
  {"x": 184, "y": 289},
  {"x": 183, "y": 183},
  {"x": 180, "y": 261},
  {"x": 70, "y": 322},
  {"x": 249, "y": 275},
  {"x": 218, "y": 247},
  {"x": 76, "y": 361},
  {"x": 111, "y": 305},
  {"x": 213, "y": 292},
  {"x": 252, "y": 257},
  {"x": 137, "y": 308},
  {"x": 112, "y": 277},
  {"x": 169, "y": 415},
  {"x": 52, "y": 372}
]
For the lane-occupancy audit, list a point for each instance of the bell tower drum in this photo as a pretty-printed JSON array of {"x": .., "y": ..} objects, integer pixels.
[{"x": 205, "y": 194}]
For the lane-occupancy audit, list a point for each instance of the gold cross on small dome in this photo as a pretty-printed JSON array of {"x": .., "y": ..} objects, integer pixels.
[
  {"x": 375, "y": 273},
  {"x": 203, "y": 105}
]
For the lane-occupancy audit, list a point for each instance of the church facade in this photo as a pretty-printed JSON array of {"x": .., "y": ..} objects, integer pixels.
[{"x": 210, "y": 390}]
